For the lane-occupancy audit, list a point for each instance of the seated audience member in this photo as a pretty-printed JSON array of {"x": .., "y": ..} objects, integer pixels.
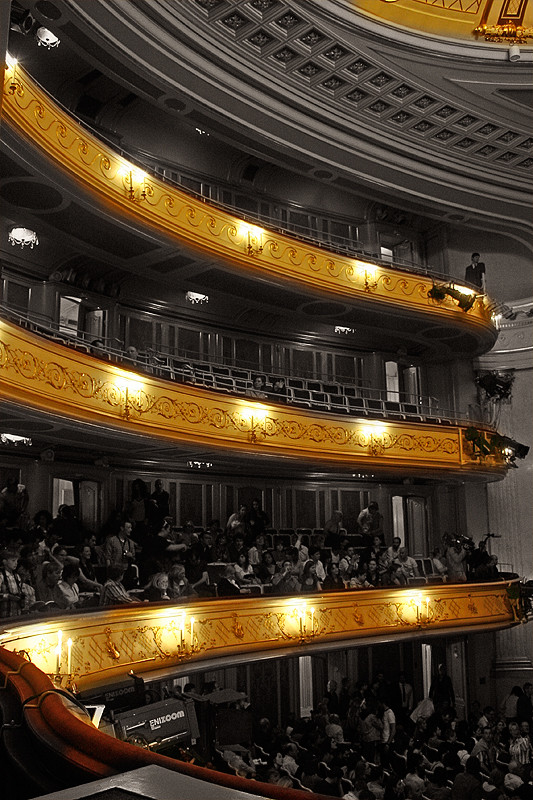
[
  {"x": 438, "y": 563},
  {"x": 197, "y": 575},
  {"x": 414, "y": 779},
  {"x": 267, "y": 568},
  {"x": 244, "y": 571},
  {"x": 278, "y": 392},
  {"x": 373, "y": 575},
  {"x": 437, "y": 787},
  {"x": 485, "y": 751},
  {"x": 47, "y": 589},
  {"x": 310, "y": 581},
  {"x": 396, "y": 575},
  {"x": 468, "y": 785},
  {"x": 394, "y": 549},
  {"x": 68, "y": 586},
  {"x": 227, "y": 586},
  {"x": 258, "y": 388},
  {"x": 407, "y": 563},
  {"x": 255, "y": 552},
  {"x": 348, "y": 563},
  {"x": 11, "y": 594},
  {"x": 114, "y": 592},
  {"x": 285, "y": 581},
  {"x": 178, "y": 585},
  {"x": 28, "y": 592},
  {"x": 333, "y": 581},
  {"x": 131, "y": 356},
  {"x": 519, "y": 749},
  {"x": 97, "y": 349},
  {"x": 488, "y": 571},
  {"x": 359, "y": 579},
  {"x": 87, "y": 580},
  {"x": 157, "y": 588},
  {"x": 222, "y": 551}
]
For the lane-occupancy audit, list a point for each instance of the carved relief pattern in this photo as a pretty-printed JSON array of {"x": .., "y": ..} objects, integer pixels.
[
  {"x": 219, "y": 232},
  {"x": 147, "y": 637},
  {"x": 182, "y": 411}
]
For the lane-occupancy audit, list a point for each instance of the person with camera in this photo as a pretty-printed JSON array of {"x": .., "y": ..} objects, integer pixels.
[{"x": 456, "y": 560}]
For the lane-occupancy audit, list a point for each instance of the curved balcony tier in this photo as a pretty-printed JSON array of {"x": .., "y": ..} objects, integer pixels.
[
  {"x": 155, "y": 639},
  {"x": 42, "y": 375},
  {"x": 41, "y": 660},
  {"x": 121, "y": 189}
]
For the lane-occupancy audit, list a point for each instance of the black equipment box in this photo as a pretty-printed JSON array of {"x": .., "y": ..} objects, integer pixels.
[{"x": 151, "y": 725}]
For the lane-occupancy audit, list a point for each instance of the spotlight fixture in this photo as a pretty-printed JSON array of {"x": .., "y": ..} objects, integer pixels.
[
  {"x": 24, "y": 237},
  {"x": 46, "y": 38}
]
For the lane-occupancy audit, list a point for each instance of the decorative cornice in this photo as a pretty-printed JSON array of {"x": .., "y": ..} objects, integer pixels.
[
  {"x": 50, "y": 377},
  {"x": 107, "y": 644},
  {"x": 117, "y": 183}
]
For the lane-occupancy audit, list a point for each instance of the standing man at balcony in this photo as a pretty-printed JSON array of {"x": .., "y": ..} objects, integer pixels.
[
  {"x": 119, "y": 550},
  {"x": 370, "y": 522},
  {"x": 475, "y": 272}
]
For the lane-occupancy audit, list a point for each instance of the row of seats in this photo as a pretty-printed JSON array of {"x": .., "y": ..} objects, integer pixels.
[{"x": 317, "y": 396}]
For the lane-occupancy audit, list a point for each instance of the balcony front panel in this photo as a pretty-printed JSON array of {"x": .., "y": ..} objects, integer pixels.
[
  {"x": 50, "y": 377},
  {"x": 105, "y": 645},
  {"x": 126, "y": 191}
]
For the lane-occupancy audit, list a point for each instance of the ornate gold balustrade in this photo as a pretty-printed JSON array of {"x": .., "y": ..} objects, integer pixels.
[
  {"x": 97, "y": 648},
  {"x": 41, "y": 374},
  {"x": 128, "y": 191}
]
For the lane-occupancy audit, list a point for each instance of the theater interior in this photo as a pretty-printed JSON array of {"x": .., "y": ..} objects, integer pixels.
[{"x": 251, "y": 193}]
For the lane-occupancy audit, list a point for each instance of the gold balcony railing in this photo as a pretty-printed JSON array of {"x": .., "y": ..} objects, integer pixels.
[
  {"x": 97, "y": 648},
  {"x": 50, "y": 377},
  {"x": 125, "y": 189}
]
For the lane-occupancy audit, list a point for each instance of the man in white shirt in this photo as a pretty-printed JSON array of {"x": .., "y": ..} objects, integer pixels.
[{"x": 408, "y": 564}]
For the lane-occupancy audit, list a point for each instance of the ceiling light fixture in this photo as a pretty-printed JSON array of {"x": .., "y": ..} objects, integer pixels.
[
  {"x": 344, "y": 329},
  {"x": 24, "y": 237},
  {"x": 196, "y": 298},
  {"x": 12, "y": 438},
  {"x": 46, "y": 38}
]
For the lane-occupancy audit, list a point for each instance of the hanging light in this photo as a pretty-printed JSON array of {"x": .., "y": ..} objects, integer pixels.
[
  {"x": 23, "y": 237},
  {"x": 46, "y": 38}
]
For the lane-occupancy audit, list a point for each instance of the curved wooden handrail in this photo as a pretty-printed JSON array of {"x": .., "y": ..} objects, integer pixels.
[{"x": 55, "y": 727}]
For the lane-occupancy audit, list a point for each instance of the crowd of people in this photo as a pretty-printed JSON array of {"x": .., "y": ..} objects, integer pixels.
[
  {"x": 53, "y": 563},
  {"x": 368, "y": 741}
]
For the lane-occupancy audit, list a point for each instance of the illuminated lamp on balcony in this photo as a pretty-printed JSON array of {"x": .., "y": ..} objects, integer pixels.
[
  {"x": 24, "y": 237},
  {"x": 196, "y": 298},
  {"x": 46, "y": 38}
]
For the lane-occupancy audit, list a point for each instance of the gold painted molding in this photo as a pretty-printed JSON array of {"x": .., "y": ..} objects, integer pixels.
[
  {"x": 42, "y": 374},
  {"x": 105, "y": 645},
  {"x": 201, "y": 226}
]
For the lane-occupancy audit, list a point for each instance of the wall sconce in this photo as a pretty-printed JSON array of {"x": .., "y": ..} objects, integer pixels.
[
  {"x": 377, "y": 443},
  {"x": 369, "y": 275},
  {"x": 256, "y": 418},
  {"x": 255, "y": 241},
  {"x": 24, "y": 237},
  {"x": 135, "y": 185},
  {"x": 15, "y": 85},
  {"x": 305, "y": 621},
  {"x": 132, "y": 391}
]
